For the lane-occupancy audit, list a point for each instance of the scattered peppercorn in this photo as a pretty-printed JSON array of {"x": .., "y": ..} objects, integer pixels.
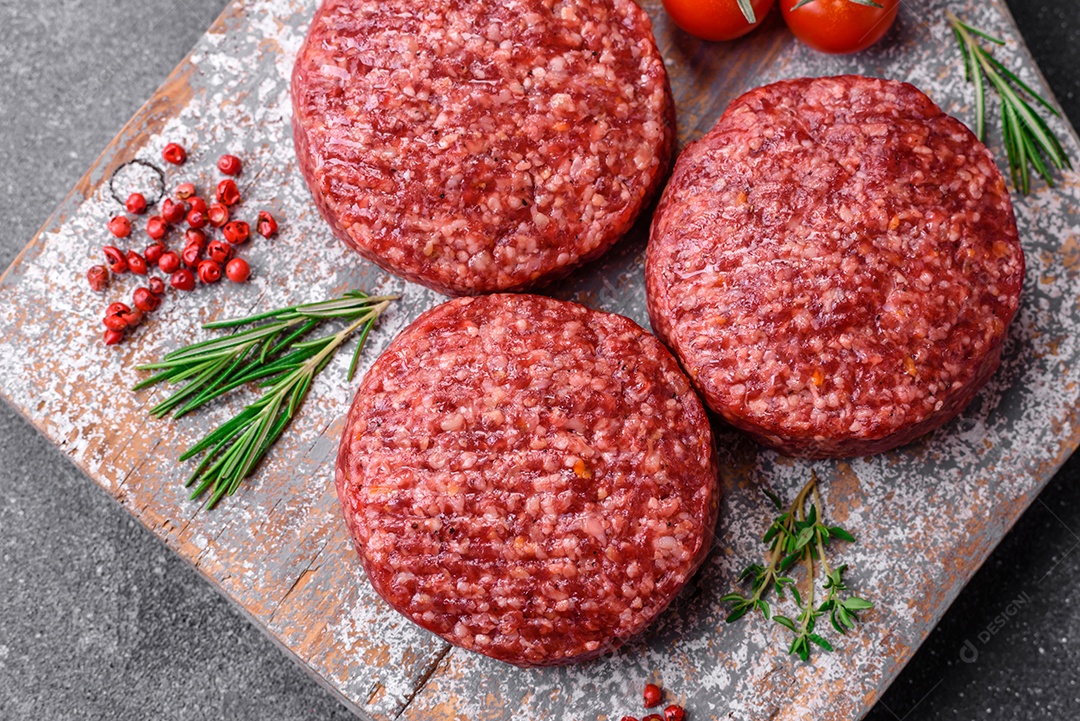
[
  {"x": 174, "y": 153},
  {"x": 674, "y": 712},
  {"x": 136, "y": 263},
  {"x": 133, "y": 317},
  {"x": 218, "y": 215},
  {"x": 172, "y": 211},
  {"x": 187, "y": 206},
  {"x": 236, "y": 232},
  {"x": 191, "y": 255},
  {"x": 266, "y": 226},
  {"x": 219, "y": 252},
  {"x": 115, "y": 258},
  {"x": 114, "y": 322},
  {"x": 120, "y": 226},
  {"x": 98, "y": 276},
  {"x": 135, "y": 204},
  {"x": 169, "y": 262},
  {"x": 653, "y": 695},
  {"x": 145, "y": 300},
  {"x": 209, "y": 271},
  {"x": 238, "y": 270},
  {"x": 156, "y": 227},
  {"x": 183, "y": 279},
  {"x": 195, "y": 236},
  {"x": 229, "y": 164},
  {"x": 196, "y": 218},
  {"x": 227, "y": 192},
  {"x": 153, "y": 253},
  {"x": 114, "y": 316}
]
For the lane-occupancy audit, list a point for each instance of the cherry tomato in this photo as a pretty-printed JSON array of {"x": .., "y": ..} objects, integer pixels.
[
  {"x": 715, "y": 19},
  {"x": 839, "y": 26}
]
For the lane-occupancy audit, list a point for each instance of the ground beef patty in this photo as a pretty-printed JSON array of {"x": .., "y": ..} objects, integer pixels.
[
  {"x": 836, "y": 264},
  {"x": 528, "y": 478},
  {"x": 481, "y": 146}
]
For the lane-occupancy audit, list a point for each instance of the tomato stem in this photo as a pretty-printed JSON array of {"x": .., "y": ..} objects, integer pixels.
[{"x": 747, "y": 11}]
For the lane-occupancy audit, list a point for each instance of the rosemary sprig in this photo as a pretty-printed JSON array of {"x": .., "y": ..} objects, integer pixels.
[
  {"x": 273, "y": 353},
  {"x": 798, "y": 535},
  {"x": 1026, "y": 135}
]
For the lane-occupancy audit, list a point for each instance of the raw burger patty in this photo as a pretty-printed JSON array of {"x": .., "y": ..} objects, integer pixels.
[
  {"x": 481, "y": 146},
  {"x": 528, "y": 478},
  {"x": 836, "y": 265}
]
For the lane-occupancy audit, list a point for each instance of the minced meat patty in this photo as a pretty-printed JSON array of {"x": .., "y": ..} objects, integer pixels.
[
  {"x": 836, "y": 265},
  {"x": 481, "y": 146},
  {"x": 528, "y": 478}
]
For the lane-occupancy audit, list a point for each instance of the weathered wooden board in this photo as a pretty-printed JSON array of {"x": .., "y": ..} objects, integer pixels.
[{"x": 928, "y": 514}]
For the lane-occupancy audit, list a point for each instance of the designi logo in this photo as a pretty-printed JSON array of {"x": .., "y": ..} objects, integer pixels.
[{"x": 970, "y": 652}]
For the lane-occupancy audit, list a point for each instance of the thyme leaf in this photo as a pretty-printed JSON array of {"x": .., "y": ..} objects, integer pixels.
[{"x": 799, "y": 535}]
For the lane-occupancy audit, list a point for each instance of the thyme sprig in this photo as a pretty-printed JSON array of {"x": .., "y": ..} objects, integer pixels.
[
  {"x": 1026, "y": 135},
  {"x": 274, "y": 354},
  {"x": 799, "y": 535}
]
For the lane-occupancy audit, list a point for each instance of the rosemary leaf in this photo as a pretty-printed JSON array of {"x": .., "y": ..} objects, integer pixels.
[
  {"x": 980, "y": 95},
  {"x": 270, "y": 350},
  {"x": 1029, "y": 141},
  {"x": 205, "y": 374},
  {"x": 981, "y": 33},
  {"x": 222, "y": 345},
  {"x": 359, "y": 347},
  {"x": 1023, "y": 86}
]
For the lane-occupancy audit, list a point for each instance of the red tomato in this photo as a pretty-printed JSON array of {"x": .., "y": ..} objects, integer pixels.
[
  {"x": 839, "y": 26},
  {"x": 715, "y": 19}
]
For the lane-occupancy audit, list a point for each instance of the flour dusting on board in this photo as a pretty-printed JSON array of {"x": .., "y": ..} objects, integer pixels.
[{"x": 279, "y": 549}]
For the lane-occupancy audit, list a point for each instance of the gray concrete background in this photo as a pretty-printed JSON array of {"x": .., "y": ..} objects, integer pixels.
[{"x": 98, "y": 620}]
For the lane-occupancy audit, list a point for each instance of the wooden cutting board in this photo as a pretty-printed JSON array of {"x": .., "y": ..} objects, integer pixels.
[{"x": 927, "y": 515}]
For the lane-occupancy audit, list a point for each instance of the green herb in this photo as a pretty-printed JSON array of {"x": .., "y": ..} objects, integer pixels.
[
  {"x": 799, "y": 536},
  {"x": 747, "y": 11},
  {"x": 276, "y": 355},
  {"x": 1027, "y": 136}
]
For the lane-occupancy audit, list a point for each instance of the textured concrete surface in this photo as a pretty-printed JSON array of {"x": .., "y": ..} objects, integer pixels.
[{"x": 99, "y": 621}]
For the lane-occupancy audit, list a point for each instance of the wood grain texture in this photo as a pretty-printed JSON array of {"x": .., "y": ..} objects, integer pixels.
[{"x": 928, "y": 514}]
